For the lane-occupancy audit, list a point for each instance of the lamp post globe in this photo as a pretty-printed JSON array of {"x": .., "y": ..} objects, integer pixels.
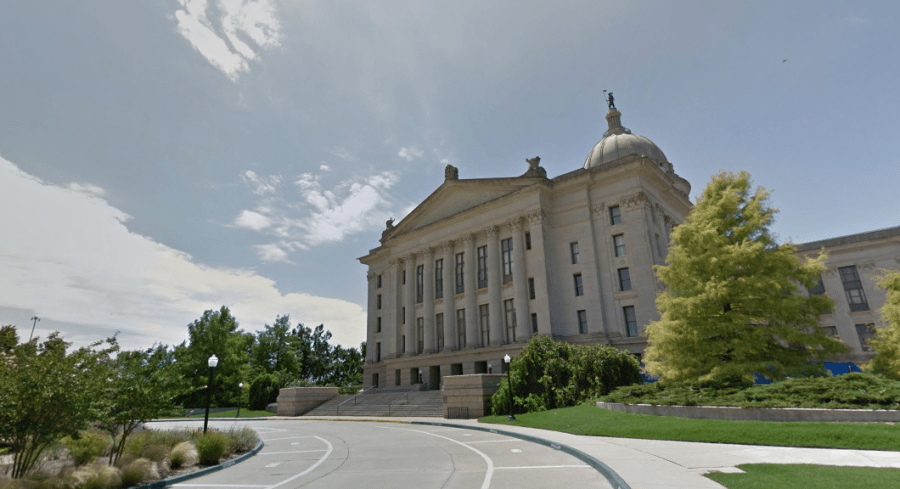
[
  {"x": 509, "y": 387},
  {"x": 212, "y": 362},
  {"x": 240, "y": 397}
]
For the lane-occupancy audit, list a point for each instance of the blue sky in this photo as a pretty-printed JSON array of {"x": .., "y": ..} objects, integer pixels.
[{"x": 163, "y": 157}]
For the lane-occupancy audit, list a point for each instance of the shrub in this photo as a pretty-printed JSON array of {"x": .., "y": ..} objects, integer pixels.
[
  {"x": 138, "y": 470},
  {"x": 241, "y": 440},
  {"x": 211, "y": 447},
  {"x": 156, "y": 452},
  {"x": 548, "y": 375},
  {"x": 183, "y": 455},
  {"x": 97, "y": 476},
  {"x": 86, "y": 447},
  {"x": 263, "y": 390}
]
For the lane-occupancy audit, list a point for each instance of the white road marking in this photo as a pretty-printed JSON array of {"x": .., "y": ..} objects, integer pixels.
[
  {"x": 273, "y": 464},
  {"x": 490, "y": 464},
  {"x": 545, "y": 467},
  {"x": 516, "y": 450},
  {"x": 282, "y": 453},
  {"x": 493, "y": 441},
  {"x": 301, "y": 474},
  {"x": 214, "y": 485},
  {"x": 295, "y": 443},
  {"x": 289, "y": 438}
]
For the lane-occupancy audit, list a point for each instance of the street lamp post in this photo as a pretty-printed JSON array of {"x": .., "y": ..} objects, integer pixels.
[
  {"x": 506, "y": 359},
  {"x": 212, "y": 362},
  {"x": 240, "y": 398}
]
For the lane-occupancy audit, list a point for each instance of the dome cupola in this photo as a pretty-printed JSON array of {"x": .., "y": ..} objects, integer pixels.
[{"x": 618, "y": 142}]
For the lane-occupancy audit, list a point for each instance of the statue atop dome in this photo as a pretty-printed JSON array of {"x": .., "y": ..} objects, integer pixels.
[{"x": 611, "y": 101}]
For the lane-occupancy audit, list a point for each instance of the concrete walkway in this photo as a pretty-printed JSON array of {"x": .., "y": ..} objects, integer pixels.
[{"x": 654, "y": 464}]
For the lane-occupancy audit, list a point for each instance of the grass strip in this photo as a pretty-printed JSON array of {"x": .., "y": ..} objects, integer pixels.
[
  {"x": 245, "y": 413},
  {"x": 767, "y": 476},
  {"x": 591, "y": 420}
]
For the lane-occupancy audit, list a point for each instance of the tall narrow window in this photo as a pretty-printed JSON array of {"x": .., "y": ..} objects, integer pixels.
[
  {"x": 819, "y": 288},
  {"x": 527, "y": 241},
  {"x": 865, "y": 332},
  {"x": 484, "y": 323},
  {"x": 630, "y": 321},
  {"x": 461, "y": 327},
  {"x": 619, "y": 244},
  {"x": 403, "y": 344},
  {"x": 404, "y": 277},
  {"x": 420, "y": 334},
  {"x": 377, "y": 352},
  {"x": 403, "y": 315},
  {"x": 439, "y": 278},
  {"x": 378, "y": 301},
  {"x": 506, "y": 255},
  {"x": 624, "y": 279},
  {"x": 420, "y": 283},
  {"x": 378, "y": 281},
  {"x": 856, "y": 296},
  {"x": 439, "y": 326},
  {"x": 573, "y": 251},
  {"x": 579, "y": 288},
  {"x": 615, "y": 216},
  {"x": 482, "y": 267},
  {"x": 510, "y": 320},
  {"x": 582, "y": 321},
  {"x": 534, "y": 324},
  {"x": 378, "y": 324},
  {"x": 531, "y": 288},
  {"x": 460, "y": 265}
]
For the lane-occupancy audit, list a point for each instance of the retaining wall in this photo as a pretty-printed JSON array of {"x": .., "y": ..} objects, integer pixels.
[{"x": 294, "y": 401}]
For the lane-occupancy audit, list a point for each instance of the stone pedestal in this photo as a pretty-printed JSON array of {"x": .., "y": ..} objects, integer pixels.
[
  {"x": 294, "y": 401},
  {"x": 469, "y": 396}
]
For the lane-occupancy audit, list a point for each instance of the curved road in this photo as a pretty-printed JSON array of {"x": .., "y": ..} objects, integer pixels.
[{"x": 335, "y": 454}]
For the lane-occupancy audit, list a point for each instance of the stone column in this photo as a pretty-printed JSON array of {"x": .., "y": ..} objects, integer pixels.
[
  {"x": 409, "y": 302},
  {"x": 545, "y": 299},
  {"x": 449, "y": 309},
  {"x": 471, "y": 292},
  {"x": 428, "y": 300},
  {"x": 494, "y": 283},
  {"x": 370, "y": 323},
  {"x": 520, "y": 283},
  {"x": 390, "y": 302}
]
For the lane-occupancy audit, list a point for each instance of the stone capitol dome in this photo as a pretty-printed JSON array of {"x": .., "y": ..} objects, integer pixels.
[{"x": 618, "y": 142}]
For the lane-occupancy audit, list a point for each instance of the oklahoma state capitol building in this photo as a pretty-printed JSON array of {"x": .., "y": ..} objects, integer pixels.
[{"x": 483, "y": 264}]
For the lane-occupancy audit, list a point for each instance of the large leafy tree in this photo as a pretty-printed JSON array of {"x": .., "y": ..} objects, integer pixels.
[
  {"x": 276, "y": 350},
  {"x": 142, "y": 386},
  {"x": 887, "y": 340},
  {"x": 215, "y": 333},
  {"x": 48, "y": 392},
  {"x": 731, "y": 305}
]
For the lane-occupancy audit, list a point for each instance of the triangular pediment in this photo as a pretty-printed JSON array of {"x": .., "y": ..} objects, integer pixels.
[{"x": 457, "y": 196}]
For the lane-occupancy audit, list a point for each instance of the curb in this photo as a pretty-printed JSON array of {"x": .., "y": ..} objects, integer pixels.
[
  {"x": 611, "y": 476},
  {"x": 198, "y": 473}
]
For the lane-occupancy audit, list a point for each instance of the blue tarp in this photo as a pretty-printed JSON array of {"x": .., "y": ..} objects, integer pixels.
[{"x": 835, "y": 368}]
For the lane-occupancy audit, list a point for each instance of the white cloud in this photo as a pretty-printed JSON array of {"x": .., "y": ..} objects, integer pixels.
[
  {"x": 410, "y": 153},
  {"x": 271, "y": 253},
  {"x": 252, "y": 220},
  {"x": 86, "y": 188},
  {"x": 261, "y": 185},
  {"x": 343, "y": 154},
  {"x": 229, "y": 33},
  {"x": 71, "y": 259},
  {"x": 324, "y": 167}
]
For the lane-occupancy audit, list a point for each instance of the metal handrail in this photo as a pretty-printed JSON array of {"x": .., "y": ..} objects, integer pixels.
[{"x": 337, "y": 409}]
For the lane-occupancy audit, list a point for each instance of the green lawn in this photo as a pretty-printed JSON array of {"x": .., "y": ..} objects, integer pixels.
[
  {"x": 591, "y": 420},
  {"x": 245, "y": 413},
  {"x": 766, "y": 476}
]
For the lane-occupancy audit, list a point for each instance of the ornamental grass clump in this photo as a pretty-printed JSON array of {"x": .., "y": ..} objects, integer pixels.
[
  {"x": 241, "y": 440},
  {"x": 139, "y": 470},
  {"x": 183, "y": 454},
  {"x": 211, "y": 447},
  {"x": 97, "y": 476}
]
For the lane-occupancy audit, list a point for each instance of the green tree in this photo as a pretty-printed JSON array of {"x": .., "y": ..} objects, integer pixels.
[
  {"x": 276, "y": 350},
  {"x": 731, "y": 306},
  {"x": 215, "y": 333},
  {"x": 142, "y": 387},
  {"x": 887, "y": 340},
  {"x": 47, "y": 393}
]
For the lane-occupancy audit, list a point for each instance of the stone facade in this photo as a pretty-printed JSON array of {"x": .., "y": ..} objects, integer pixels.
[
  {"x": 852, "y": 266},
  {"x": 483, "y": 264}
]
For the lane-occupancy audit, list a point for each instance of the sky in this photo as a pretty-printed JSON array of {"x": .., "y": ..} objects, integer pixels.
[{"x": 159, "y": 158}]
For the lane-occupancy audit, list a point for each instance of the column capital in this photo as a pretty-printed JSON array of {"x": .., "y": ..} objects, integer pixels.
[
  {"x": 427, "y": 253},
  {"x": 410, "y": 259},
  {"x": 537, "y": 217},
  {"x": 447, "y": 245},
  {"x": 492, "y": 231},
  {"x": 638, "y": 198},
  {"x": 371, "y": 276},
  {"x": 516, "y": 224},
  {"x": 467, "y": 238}
]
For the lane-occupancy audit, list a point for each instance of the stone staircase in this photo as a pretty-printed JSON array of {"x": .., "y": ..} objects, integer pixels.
[{"x": 388, "y": 401}]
